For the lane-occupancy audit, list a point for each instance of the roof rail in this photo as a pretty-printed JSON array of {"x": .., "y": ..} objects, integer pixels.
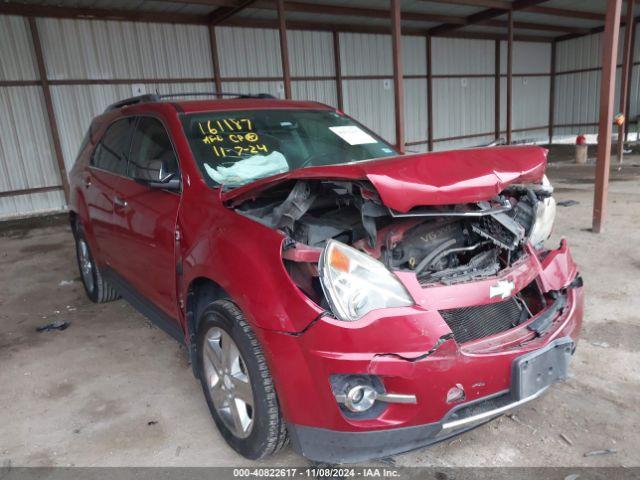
[
  {"x": 221, "y": 94},
  {"x": 156, "y": 97},
  {"x": 151, "y": 97}
]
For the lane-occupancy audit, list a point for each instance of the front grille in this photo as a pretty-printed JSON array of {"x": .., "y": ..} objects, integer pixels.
[{"x": 472, "y": 323}]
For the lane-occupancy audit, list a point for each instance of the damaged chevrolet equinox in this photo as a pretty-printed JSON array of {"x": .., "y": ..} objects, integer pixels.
[{"x": 330, "y": 292}]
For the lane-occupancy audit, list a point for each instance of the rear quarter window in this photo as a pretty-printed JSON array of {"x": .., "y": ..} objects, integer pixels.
[{"x": 111, "y": 153}]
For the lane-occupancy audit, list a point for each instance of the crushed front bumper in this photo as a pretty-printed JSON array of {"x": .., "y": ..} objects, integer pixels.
[
  {"x": 332, "y": 446},
  {"x": 412, "y": 351}
]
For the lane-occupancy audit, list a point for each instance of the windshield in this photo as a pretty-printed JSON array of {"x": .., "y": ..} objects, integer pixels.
[{"x": 237, "y": 147}]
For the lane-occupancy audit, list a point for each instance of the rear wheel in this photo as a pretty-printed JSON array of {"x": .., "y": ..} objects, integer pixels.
[
  {"x": 97, "y": 288},
  {"x": 237, "y": 384}
]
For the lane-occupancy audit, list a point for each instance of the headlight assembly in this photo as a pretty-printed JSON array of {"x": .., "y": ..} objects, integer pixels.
[
  {"x": 544, "y": 209},
  {"x": 544, "y": 217},
  {"x": 355, "y": 283}
]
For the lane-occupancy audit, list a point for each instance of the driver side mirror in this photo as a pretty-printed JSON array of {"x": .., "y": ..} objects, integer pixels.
[{"x": 156, "y": 175}]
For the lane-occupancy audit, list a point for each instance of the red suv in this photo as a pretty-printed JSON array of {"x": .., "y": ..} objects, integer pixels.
[{"x": 328, "y": 290}]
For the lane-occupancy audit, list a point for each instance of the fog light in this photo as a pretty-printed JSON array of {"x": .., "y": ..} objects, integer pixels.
[
  {"x": 360, "y": 398},
  {"x": 357, "y": 394}
]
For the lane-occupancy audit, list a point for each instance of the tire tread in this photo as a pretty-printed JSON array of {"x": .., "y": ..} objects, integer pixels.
[
  {"x": 277, "y": 436},
  {"x": 103, "y": 291}
]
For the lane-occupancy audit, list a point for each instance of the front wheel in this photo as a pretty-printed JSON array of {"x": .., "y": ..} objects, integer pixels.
[{"x": 237, "y": 384}]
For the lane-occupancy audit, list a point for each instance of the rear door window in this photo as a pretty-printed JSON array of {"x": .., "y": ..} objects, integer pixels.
[
  {"x": 112, "y": 151},
  {"x": 152, "y": 154}
]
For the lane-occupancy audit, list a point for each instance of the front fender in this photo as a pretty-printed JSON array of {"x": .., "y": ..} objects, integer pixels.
[{"x": 244, "y": 258}]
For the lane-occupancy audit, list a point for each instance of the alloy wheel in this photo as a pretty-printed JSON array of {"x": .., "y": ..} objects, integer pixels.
[
  {"x": 228, "y": 381},
  {"x": 86, "y": 265}
]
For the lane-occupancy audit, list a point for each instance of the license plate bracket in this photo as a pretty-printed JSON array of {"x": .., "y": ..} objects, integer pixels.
[{"x": 535, "y": 371}]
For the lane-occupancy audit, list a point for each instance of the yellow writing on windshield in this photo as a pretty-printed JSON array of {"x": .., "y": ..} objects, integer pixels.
[{"x": 231, "y": 137}]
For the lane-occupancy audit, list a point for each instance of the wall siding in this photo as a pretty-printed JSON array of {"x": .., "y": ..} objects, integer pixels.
[
  {"x": 577, "y": 95},
  {"x": 463, "y": 106},
  {"x": 26, "y": 157},
  {"x": 365, "y": 54},
  {"x": 376, "y": 114},
  {"x": 248, "y": 52},
  {"x": 106, "y": 50},
  {"x": 310, "y": 53},
  {"x": 96, "y": 49},
  {"x": 17, "y": 61},
  {"x": 323, "y": 91},
  {"x": 26, "y": 153}
]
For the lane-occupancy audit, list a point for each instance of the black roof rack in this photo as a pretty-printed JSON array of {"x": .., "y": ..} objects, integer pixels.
[{"x": 156, "y": 97}]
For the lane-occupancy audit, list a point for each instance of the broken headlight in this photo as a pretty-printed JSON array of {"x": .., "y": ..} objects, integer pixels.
[
  {"x": 543, "y": 222},
  {"x": 355, "y": 284}
]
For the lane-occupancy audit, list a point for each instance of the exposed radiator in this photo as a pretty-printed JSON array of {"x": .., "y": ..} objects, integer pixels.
[{"x": 472, "y": 323}]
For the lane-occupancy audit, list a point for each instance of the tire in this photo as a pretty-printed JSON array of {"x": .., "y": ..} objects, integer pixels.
[
  {"x": 97, "y": 288},
  {"x": 257, "y": 429}
]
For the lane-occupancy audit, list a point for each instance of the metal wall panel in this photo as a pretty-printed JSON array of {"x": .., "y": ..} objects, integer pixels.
[
  {"x": 414, "y": 55},
  {"x": 76, "y": 105},
  {"x": 577, "y": 95},
  {"x": 530, "y": 103},
  {"x": 371, "y": 103},
  {"x": 275, "y": 88},
  {"x": 634, "y": 87},
  {"x": 584, "y": 52},
  {"x": 365, "y": 54},
  {"x": 528, "y": 57},
  {"x": 463, "y": 143},
  {"x": 634, "y": 93},
  {"x": 462, "y": 56},
  {"x": 577, "y": 98},
  {"x": 536, "y": 136},
  {"x": 83, "y": 49},
  {"x": 310, "y": 53},
  {"x": 323, "y": 91},
  {"x": 95, "y": 49},
  {"x": 573, "y": 131},
  {"x": 16, "y": 51},
  {"x": 26, "y": 157},
  {"x": 422, "y": 148},
  {"x": 463, "y": 106},
  {"x": 249, "y": 52},
  {"x": 31, "y": 204},
  {"x": 415, "y": 109},
  {"x": 578, "y": 53}
]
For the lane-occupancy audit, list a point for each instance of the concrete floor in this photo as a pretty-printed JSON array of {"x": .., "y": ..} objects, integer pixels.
[{"x": 112, "y": 390}]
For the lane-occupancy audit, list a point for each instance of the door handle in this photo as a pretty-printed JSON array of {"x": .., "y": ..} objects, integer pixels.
[{"x": 119, "y": 203}]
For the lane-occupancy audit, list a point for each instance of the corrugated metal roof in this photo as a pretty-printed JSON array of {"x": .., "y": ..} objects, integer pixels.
[
  {"x": 139, "y": 5},
  {"x": 582, "y": 5},
  {"x": 553, "y": 20},
  {"x": 503, "y": 31},
  {"x": 422, "y": 6},
  {"x": 265, "y": 11}
]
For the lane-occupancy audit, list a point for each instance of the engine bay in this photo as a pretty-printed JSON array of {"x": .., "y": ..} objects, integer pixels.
[{"x": 441, "y": 244}]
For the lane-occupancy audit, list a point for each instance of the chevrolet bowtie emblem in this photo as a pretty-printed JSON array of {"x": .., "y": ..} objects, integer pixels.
[{"x": 501, "y": 289}]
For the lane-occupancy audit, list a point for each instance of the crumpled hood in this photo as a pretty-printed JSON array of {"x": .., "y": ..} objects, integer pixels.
[{"x": 442, "y": 178}]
